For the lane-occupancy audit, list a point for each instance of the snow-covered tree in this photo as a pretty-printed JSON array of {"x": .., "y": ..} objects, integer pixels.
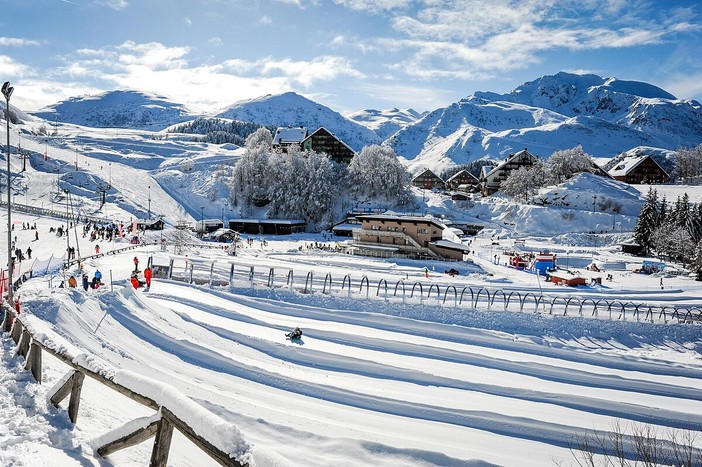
[
  {"x": 524, "y": 182},
  {"x": 688, "y": 162},
  {"x": 249, "y": 183},
  {"x": 376, "y": 172},
  {"x": 674, "y": 242},
  {"x": 562, "y": 165},
  {"x": 260, "y": 137}
]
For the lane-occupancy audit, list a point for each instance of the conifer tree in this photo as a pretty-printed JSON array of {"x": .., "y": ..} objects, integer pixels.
[{"x": 648, "y": 220}]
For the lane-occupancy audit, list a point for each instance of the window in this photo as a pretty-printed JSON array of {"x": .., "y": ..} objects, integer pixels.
[
  {"x": 422, "y": 231},
  {"x": 375, "y": 227}
]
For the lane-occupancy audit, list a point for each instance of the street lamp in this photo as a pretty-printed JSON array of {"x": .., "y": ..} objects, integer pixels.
[
  {"x": 110, "y": 166},
  {"x": 7, "y": 92},
  {"x": 68, "y": 237},
  {"x": 149, "y": 202},
  {"x": 202, "y": 221},
  {"x": 594, "y": 200}
]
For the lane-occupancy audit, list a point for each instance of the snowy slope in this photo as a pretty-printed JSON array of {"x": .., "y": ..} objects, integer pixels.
[
  {"x": 291, "y": 109},
  {"x": 118, "y": 109},
  {"x": 387, "y": 122},
  {"x": 605, "y": 116}
]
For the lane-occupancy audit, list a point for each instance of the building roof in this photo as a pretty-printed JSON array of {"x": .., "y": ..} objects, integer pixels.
[
  {"x": 395, "y": 218},
  {"x": 320, "y": 129},
  {"x": 509, "y": 159},
  {"x": 461, "y": 173},
  {"x": 289, "y": 135},
  {"x": 452, "y": 245},
  {"x": 269, "y": 221},
  {"x": 629, "y": 163},
  {"x": 428, "y": 173}
]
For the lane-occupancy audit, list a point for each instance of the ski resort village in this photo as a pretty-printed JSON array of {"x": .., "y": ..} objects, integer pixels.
[
  {"x": 210, "y": 256},
  {"x": 251, "y": 288}
]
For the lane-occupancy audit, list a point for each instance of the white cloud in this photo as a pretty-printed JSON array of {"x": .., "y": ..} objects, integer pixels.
[
  {"x": 114, "y": 4},
  {"x": 265, "y": 19},
  {"x": 688, "y": 86},
  {"x": 17, "y": 42},
  {"x": 216, "y": 41},
  {"x": 474, "y": 38},
  {"x": 374, "y": 5},
  {"x": 166, "y": 70}
]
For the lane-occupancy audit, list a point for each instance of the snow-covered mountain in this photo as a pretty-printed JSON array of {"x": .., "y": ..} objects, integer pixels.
[
  {"x": 291, "y": 109},
  {"x": 385, "y": 123},
  {"x": 605, "y": 115},
  {"x": 118, "y": 109}
]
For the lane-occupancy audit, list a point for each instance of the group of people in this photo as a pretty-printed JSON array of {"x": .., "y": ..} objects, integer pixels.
[
  {"x": 95, "y": 283},
  {"x": 136, "y": 283}
]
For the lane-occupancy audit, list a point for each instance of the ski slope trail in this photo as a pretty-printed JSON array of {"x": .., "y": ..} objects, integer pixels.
[{"x": 394, "y": 384}]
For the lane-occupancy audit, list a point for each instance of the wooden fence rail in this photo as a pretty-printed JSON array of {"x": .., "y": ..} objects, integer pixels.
[{"x": 164, "y": 421}]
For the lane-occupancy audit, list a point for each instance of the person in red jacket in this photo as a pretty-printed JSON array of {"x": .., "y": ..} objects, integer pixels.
[
  {"x": 135, "y": 281},
  {"x": 147, "y": 276}
]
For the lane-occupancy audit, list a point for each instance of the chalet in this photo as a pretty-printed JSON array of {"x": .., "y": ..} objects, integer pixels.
[
  {"x": 289, "y": 136},
  {"x": 150, "y": 224},
  {"x": 322, "y": 140},
  {"x": 390, "y": 235},
  {"x": 428, "y": 180},
  {"x": 463, "y": 181},
  {"x": 492, "y": 177},
  {"x": 639, "y": 169},
  {"x": 346, "y": 227},
  {"x": 207, "y": 226},
  {"x": 267, "y": 226}
]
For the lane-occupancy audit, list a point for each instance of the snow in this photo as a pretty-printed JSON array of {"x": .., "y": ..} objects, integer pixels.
[
  {"x": 605, "y": 116},
  {"x": 383, "y": 380}
]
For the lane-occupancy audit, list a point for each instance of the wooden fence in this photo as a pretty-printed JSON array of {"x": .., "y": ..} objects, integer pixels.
[{"x": 160, "y": 426}]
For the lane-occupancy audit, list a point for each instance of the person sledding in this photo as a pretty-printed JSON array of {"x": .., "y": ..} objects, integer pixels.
[{"x": 294, "y": 334}]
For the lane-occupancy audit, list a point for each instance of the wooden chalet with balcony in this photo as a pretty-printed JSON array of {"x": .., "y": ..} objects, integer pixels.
[
  {"x": 492, "y": 177},
  {"x": 390, "y": 235},
  {"x": 463, "y": 181},
  {"x": 428, "y": 180},
  {"x": 322, "y": 140},
  {"x": 639, "y": 169}
]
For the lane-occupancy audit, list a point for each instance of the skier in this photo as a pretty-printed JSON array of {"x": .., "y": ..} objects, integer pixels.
[
  {"x": 86, "y": 282},
  {"x": 136, "y": 264},
  {"x": 72, "y": 282},
  {"x": 135, "y": 281},
  {"x": 295, "y": 334},
  {"x": 147, "y": 276},
  {"x": 29, "y": 252}
]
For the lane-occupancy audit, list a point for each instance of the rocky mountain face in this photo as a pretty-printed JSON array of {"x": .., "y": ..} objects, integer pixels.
[
  {"x": 118, "y": 109},
  {"x": 291, "y": 109},
  {"x": 605, "y": 115}
]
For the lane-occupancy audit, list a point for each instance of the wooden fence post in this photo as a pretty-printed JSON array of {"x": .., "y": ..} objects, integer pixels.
[
  {"x": 162, "y": 443},
  {"x": 74, "y": 401},
  {"x": 33, "y": 363}
]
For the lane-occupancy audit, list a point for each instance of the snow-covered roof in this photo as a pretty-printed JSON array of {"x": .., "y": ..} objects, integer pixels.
[
  {"x": 462, "y": 173},
  {"x": 395, "y": 218},
  {"x": 288, "y": 135},
  {"x": 626, "y": 165},
  {"x": 510, "y": 159},
  {"x": 452, "y": 245}
]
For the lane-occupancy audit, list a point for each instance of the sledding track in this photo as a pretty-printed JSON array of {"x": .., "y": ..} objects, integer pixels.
[{"x": 458, "y": 390}]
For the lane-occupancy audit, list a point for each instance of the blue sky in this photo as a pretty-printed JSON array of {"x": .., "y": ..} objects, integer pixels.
[{"x": 346, "y": 54}]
